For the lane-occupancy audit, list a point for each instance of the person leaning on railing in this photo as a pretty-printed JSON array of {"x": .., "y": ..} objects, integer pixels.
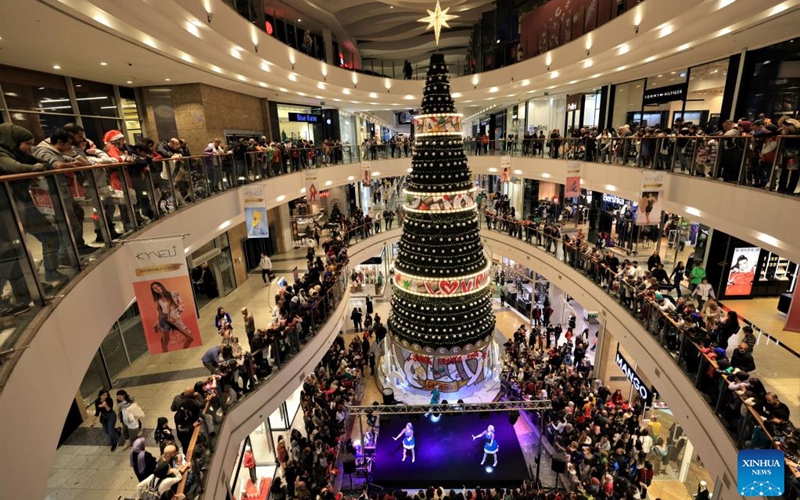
[{"x": 16, "y": 144}]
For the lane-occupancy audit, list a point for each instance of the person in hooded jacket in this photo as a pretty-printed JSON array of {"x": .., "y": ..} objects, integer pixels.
[
  {"x": 16, "y": 144},
  {"x": 142, "y": 461}
]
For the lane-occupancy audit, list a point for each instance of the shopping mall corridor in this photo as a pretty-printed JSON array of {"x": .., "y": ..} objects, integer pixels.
[{"x": 84, "y": 468}]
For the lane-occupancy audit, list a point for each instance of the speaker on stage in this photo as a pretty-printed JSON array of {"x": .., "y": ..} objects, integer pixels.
[{"x": 559, "y": 463}]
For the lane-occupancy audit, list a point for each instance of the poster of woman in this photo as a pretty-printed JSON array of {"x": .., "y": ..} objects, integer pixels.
[
  {"x": 164, "y": 293},
  {"x": 649, "y": 209},
  {"x": 742, "y": 271},
  {"x": 168, "y": 325}
]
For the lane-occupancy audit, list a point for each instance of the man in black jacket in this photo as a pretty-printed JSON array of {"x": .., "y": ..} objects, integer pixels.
[{"x": 743, "y": 358}]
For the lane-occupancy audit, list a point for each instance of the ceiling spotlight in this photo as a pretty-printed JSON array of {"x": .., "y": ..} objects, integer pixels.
[
  {"x": 56, "y": 66},
  {"x": 209, "y": 16},
  {"x": 299, "y": 20},
  {"x": 130, "y": 82},
  {"x": 636, "y": 29},
  {"x": 103, "y": 64},
  {"x": 167, "y": 80}
]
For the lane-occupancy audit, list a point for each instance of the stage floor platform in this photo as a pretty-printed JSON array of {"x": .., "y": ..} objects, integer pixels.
[{"x": 446, "y": 454}]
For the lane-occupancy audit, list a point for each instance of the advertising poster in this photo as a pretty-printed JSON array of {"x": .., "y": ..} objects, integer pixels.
[
  {"x": 164, "y": 294},
  {"x": 505, "y": 169},
  {"x": 650, "y": 201},
  {"x": 255, "y": 212},
  {"x": 573, "y": 183},
  {"x": 742, "y": 271},
  {"x": 312, "y": 190},
  {"x": 366, "y": 173}
]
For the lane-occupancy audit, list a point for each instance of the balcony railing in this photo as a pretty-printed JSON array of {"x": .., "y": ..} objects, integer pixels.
[
  {"x": 740, "y": 160},
  {"x": 279, "y": 349},
  {"x": 44, "y": 248},
  {"x": 747, "y": 428}
]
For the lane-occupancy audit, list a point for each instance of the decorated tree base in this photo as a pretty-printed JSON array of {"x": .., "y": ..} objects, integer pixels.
[{"x": 473, "y": 377}]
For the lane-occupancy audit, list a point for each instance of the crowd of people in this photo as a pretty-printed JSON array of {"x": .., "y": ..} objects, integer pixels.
[
  {"x": 717, "y": 150},
  {"x": 611, "y": 452},
  {"x": 233, "y": 372},
  {"x": 715, "y": 334},
  {"x": 307, "y": 464}
]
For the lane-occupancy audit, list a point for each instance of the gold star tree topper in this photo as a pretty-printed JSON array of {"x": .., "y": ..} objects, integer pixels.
[{"x": 436, "y": 19}]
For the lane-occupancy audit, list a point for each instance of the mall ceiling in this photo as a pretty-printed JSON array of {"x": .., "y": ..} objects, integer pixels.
[
  {"x": 150, "y": 43},
  {"x": 389, "y": 29}
]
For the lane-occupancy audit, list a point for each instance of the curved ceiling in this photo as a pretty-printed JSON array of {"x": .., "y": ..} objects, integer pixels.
[
  {"x": 147, "y": 42},
  {"x": 377, "y": 26}
]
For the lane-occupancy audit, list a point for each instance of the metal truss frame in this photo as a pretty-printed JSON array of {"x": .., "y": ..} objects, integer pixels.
[{"x": 501, "y": 406}]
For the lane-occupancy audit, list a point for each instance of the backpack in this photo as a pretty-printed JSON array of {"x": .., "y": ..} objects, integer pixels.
[{"x": 151, "y": 491}]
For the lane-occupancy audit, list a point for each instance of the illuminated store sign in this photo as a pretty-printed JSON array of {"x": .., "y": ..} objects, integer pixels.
[
  {"x": 636, "y": 380},
  {"x": 302, "y": 117},
  {"x": 664, "y": 94}
]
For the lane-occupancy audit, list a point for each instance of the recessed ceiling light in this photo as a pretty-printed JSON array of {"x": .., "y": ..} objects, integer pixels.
[
  {"x": 56, "y": 66},
  {"x": 299, "y": 20},
  {"x": 103, "y": 64},
  {"x": 78, "y": 85},
  {"x": 167, "y": 80},
  {"x": 129, "y": 82}
]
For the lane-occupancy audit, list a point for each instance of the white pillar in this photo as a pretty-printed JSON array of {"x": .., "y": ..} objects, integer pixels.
[{"x": 327, "y": 43}]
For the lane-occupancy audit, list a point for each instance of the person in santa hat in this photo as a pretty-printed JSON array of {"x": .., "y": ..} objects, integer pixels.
[{"x": 117, "y": 148}]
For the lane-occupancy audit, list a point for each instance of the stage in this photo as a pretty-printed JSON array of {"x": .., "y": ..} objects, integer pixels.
[{"x": 446, "y": 454}]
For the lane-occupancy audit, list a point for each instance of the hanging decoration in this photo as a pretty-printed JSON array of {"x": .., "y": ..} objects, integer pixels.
[{"x": 437, "y": 19}]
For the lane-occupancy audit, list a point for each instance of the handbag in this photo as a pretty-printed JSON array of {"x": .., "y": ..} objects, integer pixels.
[{"x": 40, "y": 195}]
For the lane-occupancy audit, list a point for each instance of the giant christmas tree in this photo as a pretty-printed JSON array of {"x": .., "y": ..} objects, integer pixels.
[{"x": 441, "y": 324}]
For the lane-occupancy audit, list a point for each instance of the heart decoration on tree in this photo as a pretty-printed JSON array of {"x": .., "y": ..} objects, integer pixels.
[{"x": 448, "y": 287}]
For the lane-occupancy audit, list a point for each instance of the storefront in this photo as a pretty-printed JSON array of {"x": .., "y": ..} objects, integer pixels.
[
  {"x": 749, "y": 271},
  {"x": 546, "y": 114},
  {"x": 770, "y": 79},
  {"x": 696, "y": 94},
  {"x": 677, "y": 469},
  {"x": 347, "y": 128},
  {"x": 212, "y": 270},
  {"x": 298, "y": 122},
  {"x": 520, "y": 286},
  {"x": 262, "y": 444},
  {"x": 369, "y": 277},
  {"x": 683, "y": 240}
]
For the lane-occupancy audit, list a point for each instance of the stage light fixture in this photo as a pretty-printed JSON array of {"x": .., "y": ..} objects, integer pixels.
[{"x": 489, "y": 469}]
